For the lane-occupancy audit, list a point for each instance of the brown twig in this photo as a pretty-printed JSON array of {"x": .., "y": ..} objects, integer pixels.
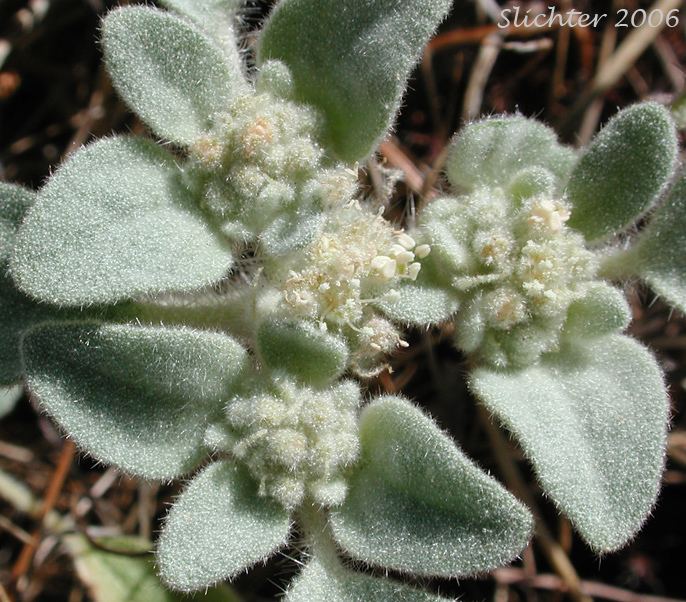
[
  {"x": 622, "y": 59},
  {"x": 397, "y": 158},
  {"x": 561, "y": 56},
  {"x": 670, "y": 63},
  {"x": 15, "y": 452},
  {"x": 481, "y": 71},
  {"x": 21, "y": 566},
  {"x": 592, "y": 115},
  {"x": 512, "y": 576},
  {"x": 475, "y": 35}
]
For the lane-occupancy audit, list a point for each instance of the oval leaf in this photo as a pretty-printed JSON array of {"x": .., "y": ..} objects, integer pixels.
[
  {"x": 592, "y": 420},
  {"x": 417, "y": 504},
  {"x": 351, "y": 60},
  {"x": 114, "y": 222},
  {"x": 332, "y": 582},
  {"x": 288, "y": 233},
  {"x": 137, "y": 397},
  {"x": 623, "y": 171},
  {"x": 217, "y": 19},
  {"x": 420, "y": 305},
  {"x": 494, "y": 152},
  {"x": 218, "y": 528},
  {"x": 14, "y": 203},
  {"x": 168, "y": 71},
  {"x": 602, "y": 310},
  {"x": 17, "y": 312},
  {"x": 660, "y": 250},
  {"x": 302, "y": 349}
]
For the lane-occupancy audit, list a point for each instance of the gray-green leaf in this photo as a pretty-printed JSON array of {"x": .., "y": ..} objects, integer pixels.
[
  {"x": 660, "y": 250},
  {"x": 115, "y": 222},
  {"x": 218, "y": 528},
  {"x": 417, "y": 504},
  {"x": 331, "y": 582},
  {"x": 420, "y": 305},
  {"x": 290, "y": 232},
  {"x": 168, "y": 71},
  {"x": 14, "y": 203},
  {"x": 16, "y": 311},
  {"x": 592, "y": 420},
  {"x": 17, "y": 314},
  {"x": 351, "y": 60},
  {"x": 503, "y": 151},
  {"x": 623, "y": 171},
  {"x": 602, "y": 310},
  {"x": 217, "y": 19},
  {"x": 137, "y": 397},
  {"x": 302, "y": 349}
]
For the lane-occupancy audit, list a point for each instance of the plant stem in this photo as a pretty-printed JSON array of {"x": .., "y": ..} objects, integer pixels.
[{"x": 318, "y": 536}]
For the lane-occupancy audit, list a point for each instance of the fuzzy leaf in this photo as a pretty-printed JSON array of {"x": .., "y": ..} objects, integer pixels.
[
  {"x": 168, "y": 71},
  {"x": 417, "y": 504},
  {"x": 449, "y": 251},
  {"x": 218, "y": 528},
  {"x": 351, "y": 60},
  {"x": 532, "y": 181},
  {"x": 493, "y": 153},
  {"x": 332, "y": 582},
  {"x": 592, "y": 420},
  {"x": 217, "y": 19},
  {"x": 115, "y": 222},
  {"x": 9, "y": 397},
  {"x": 124, "y": 575},
  {"x": 17, "y": 314},
  {"x": 16, "y": 311},
  {"x": 420, "y": 305},
  {"x": 603, "y": 310},
  {"x": 14, "y": 202},
  {"x": 302, "y": 349},
  {"x": 660, "y": 250},
  {"x": 288, "y": 233},
  {"x": 623, "y": 171},
  {"x": 137, "y": 397}
]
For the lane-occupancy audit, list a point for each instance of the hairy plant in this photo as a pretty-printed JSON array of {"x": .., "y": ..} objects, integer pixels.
[
  {"x": 201, "y": 308},
  {"x": 528, "y": 249}
]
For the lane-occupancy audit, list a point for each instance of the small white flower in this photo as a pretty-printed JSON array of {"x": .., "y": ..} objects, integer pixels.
[
  {"x": 422, "y": 251},
  {"x": 405, "y": 240},
  {"x": 413, "y": 270},
  {"x": 385, "y": 266}
]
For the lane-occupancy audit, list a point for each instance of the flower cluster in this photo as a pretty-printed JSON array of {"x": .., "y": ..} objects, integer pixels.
[
  {"x": 262, "y": 159},
  {"x": 297, "y": 441},
  {"x": 517, "y": 268},
  {"x": 357, "y": 258}
]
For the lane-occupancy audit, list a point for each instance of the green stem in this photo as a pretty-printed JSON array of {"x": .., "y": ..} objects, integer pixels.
[
  {"x": 236, "y": 316},
  {"x": 318, "y": 535}
]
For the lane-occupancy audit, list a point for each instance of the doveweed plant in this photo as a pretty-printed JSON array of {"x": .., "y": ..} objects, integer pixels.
[{"x": 204, "y": 309}]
